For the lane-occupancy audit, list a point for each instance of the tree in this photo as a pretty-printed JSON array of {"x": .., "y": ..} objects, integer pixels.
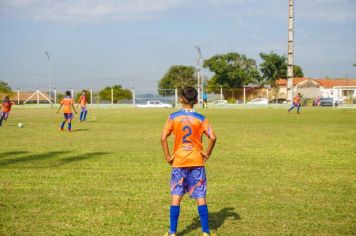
[
  {"x": 4, "y": 87},
  {"x": 178, "y": 76},
  {"x": 232, "y": 70},
  {"x": 119, "y": 93},
  {"x": 297, "y": 71},
  {"x": 274, "y": 67}
]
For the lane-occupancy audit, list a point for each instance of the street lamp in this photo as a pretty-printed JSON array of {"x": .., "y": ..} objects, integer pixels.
[{"x": 49, "y": 74}]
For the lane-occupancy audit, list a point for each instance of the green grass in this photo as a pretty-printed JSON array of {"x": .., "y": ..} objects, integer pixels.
[{"x": 272, "y": 173}]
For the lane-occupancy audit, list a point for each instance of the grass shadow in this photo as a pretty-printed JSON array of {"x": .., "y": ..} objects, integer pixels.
[
  {"x": 79, "y": 130},
  {"x": 12, "y": 153},
  {"x": 216, "y": 220},
  {"x": 32, "y": 157},
  {"x": 77, "y": 158}
]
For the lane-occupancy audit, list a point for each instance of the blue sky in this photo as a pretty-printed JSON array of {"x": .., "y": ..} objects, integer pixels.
[{"x": 133, "y": 42}]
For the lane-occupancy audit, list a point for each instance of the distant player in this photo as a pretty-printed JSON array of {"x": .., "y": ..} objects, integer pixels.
[
  {"x": 188, "y": 158},
  {"x": 68, "y": 104},
  {"x": 296, "y": 103},
  {"x": 205, "y": 100},
  {"x": 83, "y": 105},
  {"x": 5, "y": 109}
]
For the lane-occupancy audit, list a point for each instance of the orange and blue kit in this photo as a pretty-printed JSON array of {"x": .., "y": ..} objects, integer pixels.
[{"x": 188, "y": 173}]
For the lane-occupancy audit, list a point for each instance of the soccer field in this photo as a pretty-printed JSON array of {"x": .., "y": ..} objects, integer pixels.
[{"x": 271, "y": 173}]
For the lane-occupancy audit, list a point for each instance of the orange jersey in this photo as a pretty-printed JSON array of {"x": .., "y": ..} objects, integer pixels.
[
  {"x": 67, "y": 102},
  {"x": 296, "y": 99},
  {"x": 188, "y": 128},
  {"x": 6, "y": 106},
  {"x": 83, "y": 101}
]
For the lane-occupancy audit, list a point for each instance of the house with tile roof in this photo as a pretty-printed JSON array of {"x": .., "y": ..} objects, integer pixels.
[{"x": 339, "y": 89}]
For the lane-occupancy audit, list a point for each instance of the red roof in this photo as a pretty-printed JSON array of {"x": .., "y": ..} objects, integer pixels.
[{"x": 326, "y": 83}]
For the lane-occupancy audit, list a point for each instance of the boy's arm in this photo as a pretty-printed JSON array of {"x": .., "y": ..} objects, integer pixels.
[
  {"x": 165, "y": 148},
  {"x": 74, "y": 109},
  {"x": 211, "y": 145},
  {"x": 60, "y": 106}
]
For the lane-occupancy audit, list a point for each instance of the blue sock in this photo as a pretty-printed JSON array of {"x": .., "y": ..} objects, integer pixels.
[
  {"x": 81, "y": 115},
  {"x": 174, "y": 215},
  {"x": 63, "y": 123},
  {"x": 69, "y": 125},
  {"x": 85, "y": 115},
  {"x": 204, "y": 218}
]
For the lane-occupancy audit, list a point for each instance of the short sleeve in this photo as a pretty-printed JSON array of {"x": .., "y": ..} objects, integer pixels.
[
  {"x": 62, "y": 102},
  {"x": 207, "y": 129},
  {"x": 168, "y": 126}
]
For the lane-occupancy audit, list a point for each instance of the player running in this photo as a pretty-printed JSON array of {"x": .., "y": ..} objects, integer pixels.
[
  {"x": 6, "y": 108},
  {"x": 68, "y": 104},
  {"x": 296, "y": 103},
  {"x": 188, "y": 158}
]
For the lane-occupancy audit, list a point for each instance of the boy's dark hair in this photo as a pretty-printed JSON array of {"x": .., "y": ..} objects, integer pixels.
[
  {"x": 84, "y": 91},
  {"x": 68, "y": 93},
  {"x": 7, "y": 98},
  {"x": 190, "y": 95}
]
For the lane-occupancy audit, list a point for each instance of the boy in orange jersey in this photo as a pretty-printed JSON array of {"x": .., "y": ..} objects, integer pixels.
[
  {"x": 68, "y": 105},
  {"x": 296, "y": 103},
  {"x": 188, "y": 158},
  {"x": 83, "y": 105},
  {"x": 6, "y": 108}
]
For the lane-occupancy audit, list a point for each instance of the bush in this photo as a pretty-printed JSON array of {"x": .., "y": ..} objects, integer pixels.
[{"x": 231, "y": 100}]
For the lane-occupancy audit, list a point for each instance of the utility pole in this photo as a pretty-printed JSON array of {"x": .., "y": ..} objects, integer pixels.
[
  {"x": 290, "y": 51},
  {"x": 198, "y": 61},
  {"x": 49, "y": 75}
]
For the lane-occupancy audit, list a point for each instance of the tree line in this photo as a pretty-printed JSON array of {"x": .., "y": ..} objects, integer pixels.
[{"x": 231, "y": 70}]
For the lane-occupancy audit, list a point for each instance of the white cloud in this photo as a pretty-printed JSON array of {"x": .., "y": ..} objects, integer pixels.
[{"x": 89, "y": 11}]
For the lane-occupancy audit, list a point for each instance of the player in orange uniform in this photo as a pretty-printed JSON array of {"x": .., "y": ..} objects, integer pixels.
[
  {"x": 188, "y": 158},
  {"x": 68, "y": 104},
  {"x": 296, "y": 103},
  {"x": 83, "y": 105},
  {"x": 6, "y": 108}
]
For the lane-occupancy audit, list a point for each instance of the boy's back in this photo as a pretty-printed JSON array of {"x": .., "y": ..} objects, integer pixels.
[{"x": 188, "y": 128}]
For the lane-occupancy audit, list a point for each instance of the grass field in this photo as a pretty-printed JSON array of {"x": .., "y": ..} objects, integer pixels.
[{"x": 272, "y": 173}]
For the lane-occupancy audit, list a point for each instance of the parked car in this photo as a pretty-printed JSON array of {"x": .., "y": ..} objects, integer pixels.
[
  {"x": 258, "y": 101},
  {"x": 219, "y": 102},
  {"x": 328, "y": 102},
  {"x": 154, "y": 104},
  {"x": 279, "y": 101}
]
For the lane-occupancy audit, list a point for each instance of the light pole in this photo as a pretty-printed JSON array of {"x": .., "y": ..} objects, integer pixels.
[
  {"x": 49, "y": 74},
  {"x": 198, "y": 60}
]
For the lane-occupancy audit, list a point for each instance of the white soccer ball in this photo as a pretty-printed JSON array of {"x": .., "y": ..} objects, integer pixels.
[{"x": 20, "y": 125}]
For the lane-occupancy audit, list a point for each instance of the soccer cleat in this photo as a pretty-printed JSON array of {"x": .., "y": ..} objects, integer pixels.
[
  {"x": 60, "y": 129},
  {"x": 168, "y": 234}
]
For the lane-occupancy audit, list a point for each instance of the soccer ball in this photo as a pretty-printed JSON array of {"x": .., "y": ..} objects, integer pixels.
[{"x": 20, "y": 125}]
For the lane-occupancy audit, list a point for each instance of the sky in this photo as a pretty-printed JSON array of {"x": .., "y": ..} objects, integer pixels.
[{"x": 97, "y": 43}]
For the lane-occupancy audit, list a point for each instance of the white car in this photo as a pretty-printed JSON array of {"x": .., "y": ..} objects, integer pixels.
[
  {"x": 258, "y": 101},
  {"x": 154, "y": 104},
  {"x": 219, "y": 102}
]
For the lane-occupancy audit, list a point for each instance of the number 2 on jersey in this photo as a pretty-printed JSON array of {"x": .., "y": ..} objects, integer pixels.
[{"x": 186, "y": 136}]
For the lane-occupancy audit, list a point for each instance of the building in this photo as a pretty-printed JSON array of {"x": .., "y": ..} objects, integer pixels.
[{"x": 339, "y": 89}]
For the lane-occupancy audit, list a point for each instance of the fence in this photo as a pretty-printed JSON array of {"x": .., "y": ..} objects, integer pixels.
[{"x": 111, "y": 96}]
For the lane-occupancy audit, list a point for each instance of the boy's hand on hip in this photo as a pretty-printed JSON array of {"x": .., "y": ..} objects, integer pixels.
[
  {"x": 205, "y": 156},
  {"x": 170, "y": 159}
]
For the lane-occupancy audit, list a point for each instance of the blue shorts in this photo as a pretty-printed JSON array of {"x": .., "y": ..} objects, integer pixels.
[
  {"x": 191, "y": 180},
  {"x": 4, "y": 115},
  {"x": 68, "y": 116}
]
